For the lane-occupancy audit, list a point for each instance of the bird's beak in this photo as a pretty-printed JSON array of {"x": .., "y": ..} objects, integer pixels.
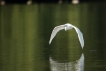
[{"x": 65, "y": 28}]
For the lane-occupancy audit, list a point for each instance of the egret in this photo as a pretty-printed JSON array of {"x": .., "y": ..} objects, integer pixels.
[{"x": 67, "y": 26}]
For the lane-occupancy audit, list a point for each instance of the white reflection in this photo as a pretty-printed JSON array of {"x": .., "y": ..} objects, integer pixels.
[{"x": 77, "y": 65}]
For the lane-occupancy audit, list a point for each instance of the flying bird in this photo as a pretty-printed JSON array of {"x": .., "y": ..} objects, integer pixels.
[{"x": 67, "y": 26}]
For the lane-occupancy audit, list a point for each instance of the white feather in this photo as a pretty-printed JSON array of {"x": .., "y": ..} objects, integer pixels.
[
  {"x": 80, "y": 36},
  {"x": 67, "y": 27},
  {"x": 54, "y": 32}
]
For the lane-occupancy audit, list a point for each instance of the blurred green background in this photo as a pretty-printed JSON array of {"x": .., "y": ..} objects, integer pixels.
[{"x": 25, "y": 31}]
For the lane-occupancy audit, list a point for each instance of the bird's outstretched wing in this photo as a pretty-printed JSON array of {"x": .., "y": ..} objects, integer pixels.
[
  {"x": 55, "y": 30},
  {"x": 80, "y": 36}
]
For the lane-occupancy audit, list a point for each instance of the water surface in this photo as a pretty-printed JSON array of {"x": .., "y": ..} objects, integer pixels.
[{"x": 25, "y": 31}]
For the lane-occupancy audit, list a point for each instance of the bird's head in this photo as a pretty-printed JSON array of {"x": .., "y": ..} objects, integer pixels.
[{"x": 68, "y": 26}]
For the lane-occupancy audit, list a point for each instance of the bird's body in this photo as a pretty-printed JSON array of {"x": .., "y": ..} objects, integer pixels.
[{"x": 67, "y": 26}]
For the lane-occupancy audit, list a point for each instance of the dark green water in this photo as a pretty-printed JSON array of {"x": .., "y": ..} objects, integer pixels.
[{"x": 25, "y": 31}]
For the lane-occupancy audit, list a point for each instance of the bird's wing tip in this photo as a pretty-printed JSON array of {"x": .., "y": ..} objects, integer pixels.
[
  {"x": 82, "y": 46},
  {"x": 49, "y": 43}
]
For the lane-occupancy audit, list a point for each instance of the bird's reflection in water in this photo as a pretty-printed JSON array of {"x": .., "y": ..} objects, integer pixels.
[{"x": 77, "y": 65}]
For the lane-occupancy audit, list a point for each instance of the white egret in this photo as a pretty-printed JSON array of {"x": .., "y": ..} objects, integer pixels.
[{"x": 67, "y": 26}]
